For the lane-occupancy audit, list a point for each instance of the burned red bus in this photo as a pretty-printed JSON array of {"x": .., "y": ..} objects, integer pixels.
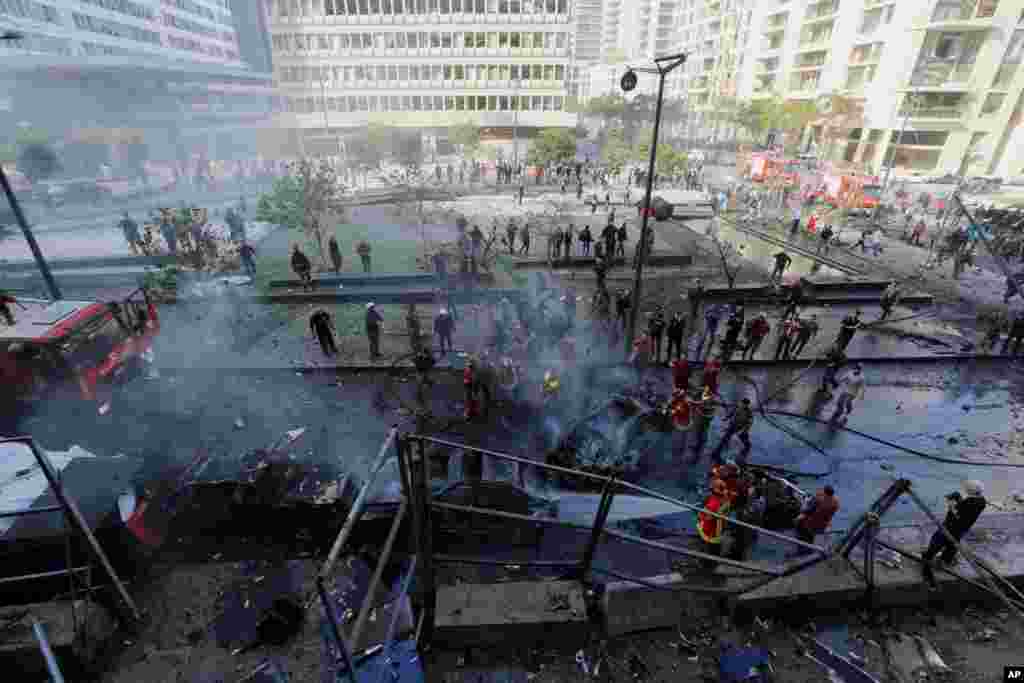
[{"x": 73, "y": 347}]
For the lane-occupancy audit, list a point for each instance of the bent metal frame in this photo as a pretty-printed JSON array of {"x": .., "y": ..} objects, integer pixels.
[{"x": 414, "y": 472}]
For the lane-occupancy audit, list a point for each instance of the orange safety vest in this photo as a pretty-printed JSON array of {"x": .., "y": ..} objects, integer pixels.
[{"x": 710, "y": 528}]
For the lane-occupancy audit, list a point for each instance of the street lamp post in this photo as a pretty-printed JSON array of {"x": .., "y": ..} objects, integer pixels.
[
  {"x": 663, "y": 67},
  {"x": 51, "y": 284}
]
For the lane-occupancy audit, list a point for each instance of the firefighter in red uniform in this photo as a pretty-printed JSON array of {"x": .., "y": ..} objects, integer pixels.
[
  {"x": 710, "y": 528},
  {"x": 681, "y": 373},
  {"x": 680, "y": 410},
  {"x": 469, "y": 381},
  {"x": 712, "y": 369}
]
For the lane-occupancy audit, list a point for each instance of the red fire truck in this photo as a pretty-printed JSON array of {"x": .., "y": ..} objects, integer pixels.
[{"x": 73, "y": 347}]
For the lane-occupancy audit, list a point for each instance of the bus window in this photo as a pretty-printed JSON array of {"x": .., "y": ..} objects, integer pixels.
[{"x": 89, "y": 345}]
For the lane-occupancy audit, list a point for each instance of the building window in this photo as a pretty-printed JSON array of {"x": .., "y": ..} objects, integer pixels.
[{"x": 993, "y": 103}]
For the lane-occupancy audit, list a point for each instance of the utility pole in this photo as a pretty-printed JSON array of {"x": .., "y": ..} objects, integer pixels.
[
  {"x": 628, "y": 82},
  {"x": 37, "y": 254},
  {"x": 888, "y": 167}
]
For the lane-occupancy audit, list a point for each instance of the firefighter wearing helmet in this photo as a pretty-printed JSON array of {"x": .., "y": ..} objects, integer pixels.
[
  {"x": 551, "y": 386},
  {"x": 709, "y": 527},
  {"x": 680, "y": 410}
]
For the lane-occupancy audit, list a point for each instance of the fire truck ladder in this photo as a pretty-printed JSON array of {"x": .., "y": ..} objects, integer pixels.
[{"x": 129, "y": 611}]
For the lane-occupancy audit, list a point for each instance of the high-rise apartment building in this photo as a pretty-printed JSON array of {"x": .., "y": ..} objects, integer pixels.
[
  {"x": 422, "y": 64},
  {"x": 944, "y": 72}
]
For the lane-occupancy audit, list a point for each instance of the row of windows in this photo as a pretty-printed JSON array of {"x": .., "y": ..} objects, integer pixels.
[
  {"x": 297, "y": 8},
  {"x": 202, "y": 11},
  {"x": 86, "y": 22},
  {"x": 202, "y": 48},
  {"x": 30, "y": 9},
  {"x": 183, "y": 24},
  {"x": 355, "y": 103},
  {"x": 437, "y": 72},
  {"x": 401, "y": 40},
  {"x": 99, "y": 50},
  {"x": 128, "y": 7}
]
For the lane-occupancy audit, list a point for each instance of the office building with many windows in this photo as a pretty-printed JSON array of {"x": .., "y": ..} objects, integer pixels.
[
  {"x": 421, "y": 64},
  {"x": 939, "y": 81}
]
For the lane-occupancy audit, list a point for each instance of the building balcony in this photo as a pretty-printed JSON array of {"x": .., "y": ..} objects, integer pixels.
[
  {"x": 977, "y": 16},
  {"x": 943, "y": 78},
  {"x": 807, "y": 68},
  {"x": 821, "y": 12},
  {"x": 439, "y": 54},
  {"x": 815, "y": 43},
  {"x": 877, "y": 4},
  {"x": 423, "y": 19},
  {"x": 932, "y": 115}
]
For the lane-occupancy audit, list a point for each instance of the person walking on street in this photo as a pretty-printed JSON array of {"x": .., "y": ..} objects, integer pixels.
[
  {"x": 522, "y": 191},
  {"x": 302, "y": 267},
  {"x": 788, "y": 332},
  {"x": 890, "y": 297},
  {"x": 656, "y": 330},
  {"x": 808, "y": 331},
  {"x": 169, "y": 233},
  {"x": 1015, "y": 336},
  {"x": 476, "y": 238},
  {"x": 739, "y": 426},
  {"x": 334, "y": 252},
  {"x": 131, "y": 233},
  {"x": 794, "y": 228},
  {"x": 757, "y": 330},
  {"x": 847, "y": 329},
  {"x": 962, "y": 511},
  {"x": 554, "y": 244},
  {"x": 585, "y": 239},
  {"x": 782, "y": 261},
  {"x": 567, "y": 238},
  {"x": 711, "y": 527},
  {"x": 415, "y": 330},
  {"x": 834, "y": 361},
  {"x": 609, "y": 236},
  {"x": 676, "y": 328},
  {"x": 696, "y": 297},
  {"x": 816, "y": 517},
  {"x": 712, "y": 316},
  {"x": 622, "y": 236},
  {"x": 444, "y": 325},
  {"x": 373, "y": 322},
  {"x": 733, "y": 328},
  {"x": 321, "y": 326},
  {"x": 622, "y": 305},
  {"x": 510, "y": 237},
  {"x": 917, "y": 235},
  {"x": 247, "y": 255},
  {"x": 524, "y": 239},
  {"x": 363, "y": 249},
  {"x": 851, "y": 387}
]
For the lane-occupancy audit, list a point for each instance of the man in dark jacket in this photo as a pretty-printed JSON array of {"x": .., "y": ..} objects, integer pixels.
[
  {"x": 656, "y": 329},
  {"x": 373, "y": 323},
  {"x": 676, "y": 329},
  {"x": 782, "y": 261},
  {"x": 757, "y": 330},
  {"x": 524, "y": 238},
  {"x": 622, "y": 237},
  {"x": 335, "y": 253},
  {"x": 247, "y": 254},
  {"x": 585, "y": 238},
  {"x": 302, "y": 267},
  {"x": 808, "y": 331},
  {"x": 733, "y": 327},
  {"x": 962, "y": 513},
  {"x": 510, "y": 235},
  {"x": 847, "y": 329},
  {"x": 444, "y": 325},
  {"x": 622, "y": 305},
  {"x": 321, "y": 326},
  {"x": 608, "y": 235},
  {"x": 1015, "y": 336}
]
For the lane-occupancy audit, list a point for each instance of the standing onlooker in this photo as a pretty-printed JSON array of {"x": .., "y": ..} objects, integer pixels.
[
  {"x": 890, "y": 297},
  {"x": 322, "y": 328},
  {"x": 752, "y": 512},
  {"x": 524, "y": 239},
  {"x": 847, "y": 329},
  {"x": 622, "y": 236},
  {"x": 961, "y": 514},
  {"x": 808, "y": 331},
  {"x": 788, "y": 332},
  {"x": 567, "y": 238},
  {"x": 169, "y": 233},
  {"x": 510, "y": 236},
  {"x": 608, "y": 234},
  {"x": 795, "y": 227},
  {"x": 1015, "y": 336},
  {"x": 415, "y": 330},
  {"x": 622, "y": 305},
  {"x": 373, "y": 322},
  {"x": 656, "y": 330},
  {"x": 740, "y": 424},
  {"x": 302, "y": 267},
  {"x": 733, "y": 328},
  {"x": 131, "y": 233},
  {"x": 757, "y": 330},
  {"x": 476, "y": 238},
  {"x": 851, "y": 387},
  {"x": 334, "y": 251},
  {"x": 782, "y": 261},
  {"x": 816, "y": 516},
  {"x": 585, "y": 239},
  {"x": 712, "y": 316},
  {"x": 676, "y": 328},
  {"x": 363, "y": 249},
  {"x": 444, "y": 325},
  {"x": 247, "y": 255},
  {"x": 827, "y": 233}
]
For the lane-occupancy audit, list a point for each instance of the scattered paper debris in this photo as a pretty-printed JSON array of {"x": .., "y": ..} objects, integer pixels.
[{"x": 105, "y": 408}]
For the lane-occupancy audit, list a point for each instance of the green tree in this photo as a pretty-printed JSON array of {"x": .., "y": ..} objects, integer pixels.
[
  {"x": 608, "y": 107},
  {"x": 669, "y": 161},
  {"x": 615, "y": 153},
  {"x": 304, "y": 200},
  {"x": 553, "y": 146},
  {"x": 38, "y": 161},
  {"x": 465, "y": 136}
]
